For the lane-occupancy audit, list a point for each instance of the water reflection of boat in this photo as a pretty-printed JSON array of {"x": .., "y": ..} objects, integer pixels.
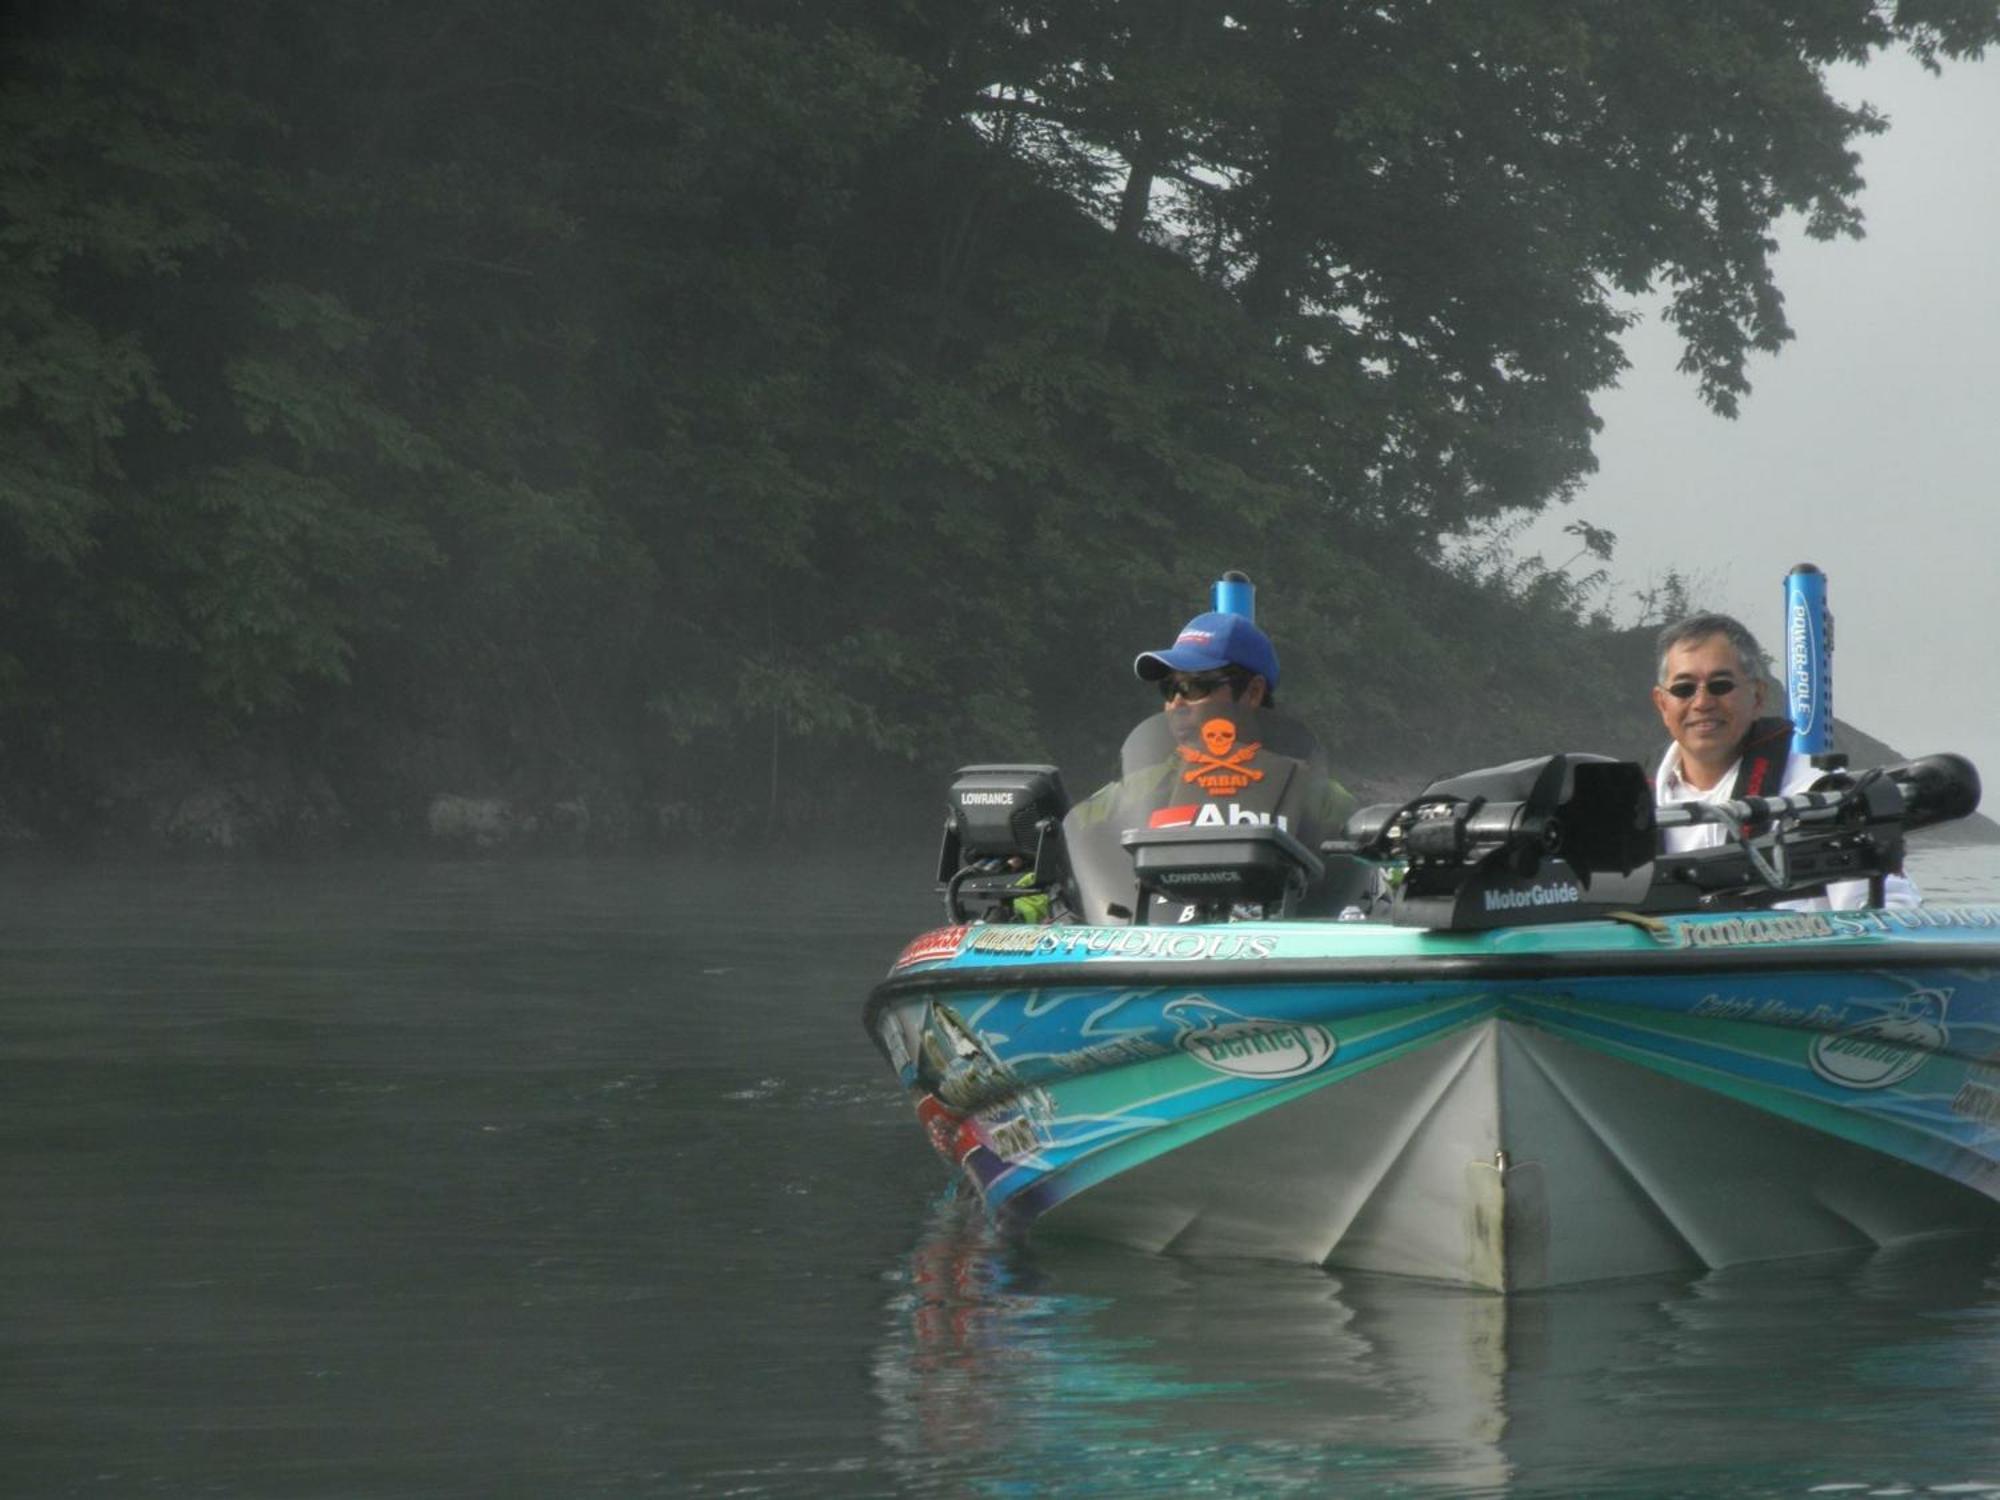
[
  {"x": 1081, "y": 1370},
  {"x": 1540, "y": 1059},
  {"x": 1120, "y": 1372}
]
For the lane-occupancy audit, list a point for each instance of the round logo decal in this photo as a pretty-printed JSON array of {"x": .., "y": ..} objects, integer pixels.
[
  {"x": 1887, "y": 1049},
  {"x": 1249, "y": 1046}
]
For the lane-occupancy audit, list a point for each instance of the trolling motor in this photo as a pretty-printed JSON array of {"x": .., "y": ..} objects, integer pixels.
[
  {"x": 1005, "y": 824},
  {"x": 1572, "y": 836},
  {"x": 1779, "y": 847},
  {"x": 1552, "y": 839}
]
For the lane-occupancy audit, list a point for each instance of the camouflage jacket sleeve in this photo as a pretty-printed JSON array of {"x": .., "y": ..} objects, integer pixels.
[{"x": 1333, "y": 804}]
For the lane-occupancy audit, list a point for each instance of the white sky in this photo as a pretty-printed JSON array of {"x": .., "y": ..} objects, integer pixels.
[{"x": 1867, "y": 446}]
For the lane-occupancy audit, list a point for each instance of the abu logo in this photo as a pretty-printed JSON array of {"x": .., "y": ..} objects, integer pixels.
[
  {"x": 1248, "y": 1046},
  {"x": 1885, "y": 1049},
  {"x": 1212, "y": 815}
]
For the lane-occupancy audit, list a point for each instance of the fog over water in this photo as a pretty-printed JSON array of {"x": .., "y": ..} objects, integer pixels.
[
  {"x": 1866, "y": 446},
  {"x": 581, "y": 1178}
]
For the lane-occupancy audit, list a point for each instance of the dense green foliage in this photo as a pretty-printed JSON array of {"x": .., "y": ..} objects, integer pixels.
[{"x": 662, "y": 404}]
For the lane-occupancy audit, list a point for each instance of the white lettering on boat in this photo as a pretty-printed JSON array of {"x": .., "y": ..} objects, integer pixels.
[
  {"x": 1770, "y": 1012},
  {"x": 933, "y": 946},
  {"x": 1108, "y": 1054},
  {"x": 1261, "y": 1049},
  {"x": 1121, "y": 942},
  {"x": 1918, "y": 919},
  {"x": 1750, "y": 931},
  {"x": 1884, "y": 1049},
  {"x": 1248, "y": 1046}
]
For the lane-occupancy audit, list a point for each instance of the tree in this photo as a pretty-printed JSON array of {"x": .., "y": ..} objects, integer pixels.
[
  {"x": 707, "y": 400},
  {"x": 1433, "y": 210}
]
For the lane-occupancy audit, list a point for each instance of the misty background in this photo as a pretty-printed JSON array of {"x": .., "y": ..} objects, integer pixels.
[
  {"x": 485, "y": 426},
  {"x": 1866, "y": 445},
  {"x": 688, "y": 426}
]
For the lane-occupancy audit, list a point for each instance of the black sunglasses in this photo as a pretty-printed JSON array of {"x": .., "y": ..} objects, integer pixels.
[
  {"x": 1194, "y": 689},
  {"x": 1718, "y": 687}
]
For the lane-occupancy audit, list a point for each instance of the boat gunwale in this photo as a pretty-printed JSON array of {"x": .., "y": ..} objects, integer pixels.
[{"x": 1102, "y": 973}]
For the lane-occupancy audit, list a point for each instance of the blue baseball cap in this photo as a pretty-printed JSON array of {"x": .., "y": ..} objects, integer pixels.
[{"x": 1210, "y": 642}]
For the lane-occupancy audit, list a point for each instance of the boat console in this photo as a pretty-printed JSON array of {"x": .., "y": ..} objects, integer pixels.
[
  {"x": 1219, "y": 871},
  {"x": 1002, "y": 840},
  {"x": 1561, "y": 838}
]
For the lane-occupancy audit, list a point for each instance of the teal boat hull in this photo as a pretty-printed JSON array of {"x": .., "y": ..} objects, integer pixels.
[{"x": 1514, "y": 1109}]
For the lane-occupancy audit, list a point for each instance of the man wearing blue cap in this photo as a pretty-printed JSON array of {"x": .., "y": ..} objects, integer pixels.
[
  {"x": 1235, "y": 755},
  {"x": 1214, "y": 651},
  {"x": 1219, "y": 757}
]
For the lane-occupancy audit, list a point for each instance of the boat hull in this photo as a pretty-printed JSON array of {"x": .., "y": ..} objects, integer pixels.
[{"x": 1512, "y": 1110}]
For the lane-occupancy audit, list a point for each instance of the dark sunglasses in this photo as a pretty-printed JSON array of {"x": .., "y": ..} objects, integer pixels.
[
  {"x": 1718, "y": 687},
  {"x": 1194, "y": 689}
]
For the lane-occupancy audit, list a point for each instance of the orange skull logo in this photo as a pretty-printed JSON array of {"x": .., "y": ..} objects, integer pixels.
[{"x": 1225, "y": 768}]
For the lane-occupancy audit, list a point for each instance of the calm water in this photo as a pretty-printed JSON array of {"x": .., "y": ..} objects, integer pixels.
[{"x": 581, "y": 1179}]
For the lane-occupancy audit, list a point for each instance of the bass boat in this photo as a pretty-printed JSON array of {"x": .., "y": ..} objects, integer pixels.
[{"x": 1490, "y": 1036}]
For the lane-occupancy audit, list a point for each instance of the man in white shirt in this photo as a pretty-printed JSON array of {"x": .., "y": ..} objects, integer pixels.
[{"x": 1710, "y": 695}]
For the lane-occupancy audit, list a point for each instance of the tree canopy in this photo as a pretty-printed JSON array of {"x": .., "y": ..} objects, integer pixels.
[{"x": 630, "y": 403}]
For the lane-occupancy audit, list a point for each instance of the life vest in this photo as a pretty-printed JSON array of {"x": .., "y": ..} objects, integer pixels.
[
  {"x": 1760, "y": 767},
  {"x": 1766, "y": 749}
]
